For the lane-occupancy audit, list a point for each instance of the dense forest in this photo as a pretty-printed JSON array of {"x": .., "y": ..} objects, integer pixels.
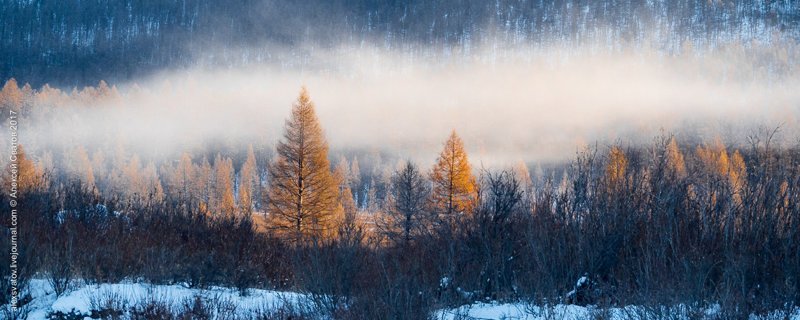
[
  {"x": 78, "y": 42},
  {"x": 394, "y": 159},
  {"x": 664, "y": 223}
]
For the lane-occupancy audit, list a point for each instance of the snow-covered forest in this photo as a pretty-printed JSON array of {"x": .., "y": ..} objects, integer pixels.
[
  {"x": 70, "y": 43},
  {"x": 259, "y": 159}
]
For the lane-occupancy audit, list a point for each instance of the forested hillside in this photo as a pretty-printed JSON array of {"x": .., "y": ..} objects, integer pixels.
[
  {"x": 79, "y": 42},
  {"x": 673, "y": 222},
  {"x": 370, "y": 159}
]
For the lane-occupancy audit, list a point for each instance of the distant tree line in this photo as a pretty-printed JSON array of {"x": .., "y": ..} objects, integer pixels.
[
  {"x": 69, "y": 43},
  {"x": 664, "y": 223}
]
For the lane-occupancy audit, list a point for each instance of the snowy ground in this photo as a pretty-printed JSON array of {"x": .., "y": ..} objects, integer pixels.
[
  {"x": 522, "y": 311},
  {"x": 84, "y": 298}
]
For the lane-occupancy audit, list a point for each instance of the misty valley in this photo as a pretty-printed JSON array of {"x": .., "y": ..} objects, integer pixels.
[{"x": 270, "y": 159}]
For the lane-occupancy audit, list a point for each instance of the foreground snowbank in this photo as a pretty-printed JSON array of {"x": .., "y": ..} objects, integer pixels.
[
  {"x": 84, "y": 299},
  {"x": 523, "y": 311}
]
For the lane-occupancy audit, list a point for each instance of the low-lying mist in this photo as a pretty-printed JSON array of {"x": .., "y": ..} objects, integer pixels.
[{"x": 530, "y": 106}]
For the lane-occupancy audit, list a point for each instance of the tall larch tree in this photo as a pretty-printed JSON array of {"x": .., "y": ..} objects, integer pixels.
[
  {"x": 616, "y": 167},
  {"x": 29, "y": 176},
  {"x": 80, "y": 167},
  {"x": 152, "y": 183},
  {"x": 203, "y": 185},
  {"x": 11, "y": 96},
  {"x": 454, "y": 186},
  {"x": 117, "y": 180},
  {"x": 303, "y": 194},
  {"x": 346, "y": 208},
  {"x": 223, "y": 186},
  {"x": 182, "y": 178},
  {"x": 675, "y": 160},
  {"x": 248, "y": 177},
  {"x": 133, "y": 185}
]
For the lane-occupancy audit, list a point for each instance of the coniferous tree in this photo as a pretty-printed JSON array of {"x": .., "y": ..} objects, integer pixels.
[
  {"x": 616, "y": 167},
  {"x": 248, "y": 177},
  {"x": 117, "y": 181},
  {"x": 203, "y": 185},
  {"x": 29, "y": 176},
  {"x": 152, "y": 189},
  {"x": 675, "y": 161},
  {"x": 454, "y": 186},
  {"x": 10, "y": 96},
  {"x": 81, "y": 168},
  {"x": 346, "y": 208},
  {"x": 302, "y": 193},
  {"x": 223, "y": 186},
  {"x": 133, "y": 185},
  {"x": 182, "y": 177}
]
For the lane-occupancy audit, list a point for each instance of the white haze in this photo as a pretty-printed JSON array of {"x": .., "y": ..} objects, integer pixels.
[{"x": 522, "y": 106}]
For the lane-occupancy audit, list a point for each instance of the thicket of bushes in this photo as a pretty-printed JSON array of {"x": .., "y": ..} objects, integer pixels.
[{"x": 650, "y": 225}]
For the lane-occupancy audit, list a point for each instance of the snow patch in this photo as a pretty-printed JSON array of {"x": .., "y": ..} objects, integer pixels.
[
  {"x": 85, "y": 297},
  {"x": 525, "y": 311}
]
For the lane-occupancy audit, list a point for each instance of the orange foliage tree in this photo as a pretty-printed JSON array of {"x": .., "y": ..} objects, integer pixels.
[
  {"x": 303, "y": 193},
  {"x": 454, "y": 187}
]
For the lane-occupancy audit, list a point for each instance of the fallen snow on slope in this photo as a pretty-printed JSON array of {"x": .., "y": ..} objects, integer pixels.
[
  {"x": 84, "y": 298},
  {"x": 523, "y": 311}
]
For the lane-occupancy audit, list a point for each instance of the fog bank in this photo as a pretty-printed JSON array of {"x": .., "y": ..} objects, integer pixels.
[{"x": 518, "y": 107}]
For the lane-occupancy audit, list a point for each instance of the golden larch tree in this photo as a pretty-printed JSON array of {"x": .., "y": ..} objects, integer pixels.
[
  {"x": 132, "y": 178},
  {"x": 737, "y": 171},
  {"x": 355, "y": 174},
  {"x": 223, "y": 186},
  {"x": 29, "y": 176},
  {"x": 80, "y": 167},
  {"x": 203, "y": 185},
  {"x": 303, "y": 193},
  {"x": 454, "y": 186},
  {"x": 714, "y": 157},
  {"x": 11, "y": 96},
  {"x": 248, "y": 177},
  {"x": 345, "y": 213},
  {"x": 737, "y": 176},
  {"x": 152, "y": 183},
  {"x": 675, "y": 160},
  {"x": 182, "y": 176},
  {"x": 116, "y": 182},
  {"x": 616, "y": 167}
]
